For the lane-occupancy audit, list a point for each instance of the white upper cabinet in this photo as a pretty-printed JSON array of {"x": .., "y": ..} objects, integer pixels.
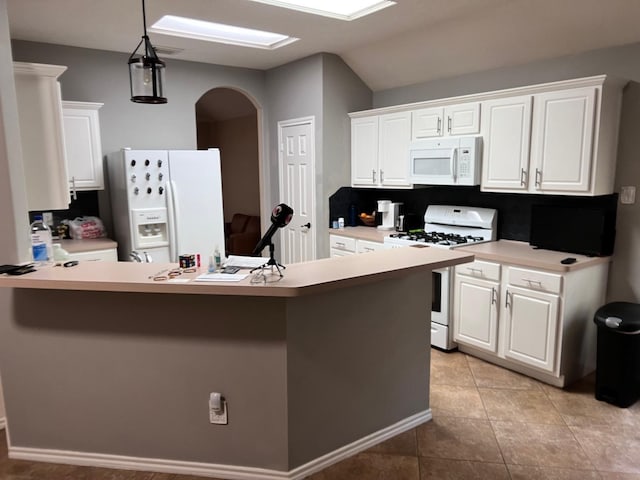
[
  {"x": 461, "y": 119},
  {"x": 506, "y": 125},
  {"x": 83, "y": 145},
  {"x": 562, "y": 138},
  {"x": 364, "y": 151},
  {"x": 42, "y": 135},
  {"x": 380, "y": 150},
  {"x": 557, "y": 139}
]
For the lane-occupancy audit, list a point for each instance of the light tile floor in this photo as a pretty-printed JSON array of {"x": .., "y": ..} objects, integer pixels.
[
  {"x": 491, "y": 423},
  {"x": 488, "y": 423}
]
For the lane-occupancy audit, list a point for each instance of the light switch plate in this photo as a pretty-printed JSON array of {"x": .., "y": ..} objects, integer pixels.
[
  {"x": 47, "y": 218},
  {"x": 628, "y": 195}
]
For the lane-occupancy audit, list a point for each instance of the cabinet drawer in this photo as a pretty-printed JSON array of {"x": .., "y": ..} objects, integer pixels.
[
  {"x": 364, "y": 246},
  {"x": 534, "y": 279},
  {"x": 108, "y": 255},
  {"x": 342, "y": 243},
  {"x": 340, "y": 253},
  {"x": 480, "y": 269}
]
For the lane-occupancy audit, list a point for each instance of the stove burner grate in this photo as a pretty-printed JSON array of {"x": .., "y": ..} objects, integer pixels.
[{"x": 440, "y": 238}]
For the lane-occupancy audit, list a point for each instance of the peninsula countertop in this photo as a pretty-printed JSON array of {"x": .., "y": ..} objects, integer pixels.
[{"x": 299, "y": 278}]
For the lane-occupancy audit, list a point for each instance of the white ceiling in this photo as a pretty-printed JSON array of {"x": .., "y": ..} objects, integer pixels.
[{"x": 411, "y": 42}]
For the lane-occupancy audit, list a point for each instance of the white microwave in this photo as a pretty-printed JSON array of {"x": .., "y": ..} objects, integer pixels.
[{"x": 446, "y": 161}]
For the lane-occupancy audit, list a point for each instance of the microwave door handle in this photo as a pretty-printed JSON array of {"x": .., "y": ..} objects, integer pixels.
[{"x": 454, "y": 164}]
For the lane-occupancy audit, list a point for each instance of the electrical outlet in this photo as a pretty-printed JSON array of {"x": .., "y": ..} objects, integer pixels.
[
  {"x": 628, "y": 195},
  {"x": 219, "y": 417},
  {"x": 47, "y": 218}
]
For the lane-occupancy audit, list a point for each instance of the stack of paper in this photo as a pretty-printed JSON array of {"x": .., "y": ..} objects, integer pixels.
[{"x": 221, "y": 277}]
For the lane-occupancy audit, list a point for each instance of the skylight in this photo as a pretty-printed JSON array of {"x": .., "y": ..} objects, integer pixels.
[
  {"x": 218, "y": 32},
  {"x": 341, "y": 9}
]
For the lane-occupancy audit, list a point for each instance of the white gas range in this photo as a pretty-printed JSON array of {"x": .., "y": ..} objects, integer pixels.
[{"x": 447, "y": 226}]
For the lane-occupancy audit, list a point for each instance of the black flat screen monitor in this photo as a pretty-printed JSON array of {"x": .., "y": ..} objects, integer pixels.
[{"x": 581, "y": 230}]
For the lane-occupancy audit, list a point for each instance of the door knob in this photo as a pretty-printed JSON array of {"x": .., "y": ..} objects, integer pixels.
[{"x": 308, "y": 225}]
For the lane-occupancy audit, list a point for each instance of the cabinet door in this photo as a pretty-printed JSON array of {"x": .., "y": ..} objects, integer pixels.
[
  {"x": 463, "y": 119},
  {"x": 83, "y": 146},
  {"x": 427, "y": 123},
  {"x": 364, "y": 151},
  {"x": 108, "y": 255},
  {"x": 475, "y": 313},
  {"x": 506, "y": 128},
  {"x": 562, "y": 139},
  {"x": 42, "y": 135},
  {"x": 531, "y": 325},
  {"x": 393, "y": 154}
]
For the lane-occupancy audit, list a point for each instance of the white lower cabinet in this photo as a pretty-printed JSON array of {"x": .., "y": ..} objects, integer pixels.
[
  {"x": 533, "y": 321},
  {"x": 340, "y": 246},
  {"x": 530, "y": 327}
]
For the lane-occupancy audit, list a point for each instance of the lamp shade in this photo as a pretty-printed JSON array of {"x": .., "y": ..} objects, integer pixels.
[{"x": 146, "y": 76}]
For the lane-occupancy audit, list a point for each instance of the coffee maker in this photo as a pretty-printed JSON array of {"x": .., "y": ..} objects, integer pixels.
[{"x": 389, "y": 212}]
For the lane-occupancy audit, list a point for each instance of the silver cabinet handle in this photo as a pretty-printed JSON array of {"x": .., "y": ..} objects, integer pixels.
[
  {"x": 523, "y": 177},
  {"x": 474, "y": 270},
  {"x": 449, "y": 124},
  {"x": 538, "y": 177},
  {"x": 494, "y": 296},
  {"x": 381, "y": 176},
  {"x": 506, "y": 300},
  {"x": 439, "y": 125},
  {"x": 373, "y": 176},
  {"x": 532, "y": 282},
  {"x": 340, "y": 244},
  {"x": 73, "y": 188}
]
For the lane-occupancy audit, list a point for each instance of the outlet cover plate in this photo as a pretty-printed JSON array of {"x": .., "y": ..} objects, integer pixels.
[{"x": 219, "y": 418}]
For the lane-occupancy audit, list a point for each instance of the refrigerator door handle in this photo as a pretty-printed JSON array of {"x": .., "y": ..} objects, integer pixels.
[{"x": 172, "y": 204}]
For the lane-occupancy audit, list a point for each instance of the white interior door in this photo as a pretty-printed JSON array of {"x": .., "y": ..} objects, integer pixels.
[{"x": 297, "y": 188}]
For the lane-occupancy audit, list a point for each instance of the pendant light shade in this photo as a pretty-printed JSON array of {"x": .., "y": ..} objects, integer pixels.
[{"x": 146, "y": 71}]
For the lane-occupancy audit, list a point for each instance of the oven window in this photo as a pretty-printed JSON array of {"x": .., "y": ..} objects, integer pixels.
[{"x": 436, "y": 294}]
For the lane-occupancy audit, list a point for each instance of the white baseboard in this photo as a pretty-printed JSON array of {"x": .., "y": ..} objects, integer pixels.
[
  {"x": 229, "y": 472},
  {"x": 359, "y": 445}
]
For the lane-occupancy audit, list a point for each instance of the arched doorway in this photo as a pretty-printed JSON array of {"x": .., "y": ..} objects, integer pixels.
[{"x": 228, "y": 120}]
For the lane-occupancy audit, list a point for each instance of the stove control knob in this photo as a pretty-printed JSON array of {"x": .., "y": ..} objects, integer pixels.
[
  {"x": 149, "y": 190},
  {"x": 160, "y": 176},
  {"x": 133, "y": 178},
  {"x": 148, "y": 176},
  {"x": 159, "y": 163},
  {"x": 136, "y": 191},
  {"x": 161, "y": 190},
  {"x": 133, "y": 163},
  {"x": 146, "y": 162}
]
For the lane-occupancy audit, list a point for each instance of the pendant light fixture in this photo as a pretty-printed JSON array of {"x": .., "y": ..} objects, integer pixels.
[{"x": 146, "y": 71}]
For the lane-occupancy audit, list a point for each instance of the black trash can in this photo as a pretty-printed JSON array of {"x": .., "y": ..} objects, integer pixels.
[{"x": 618, "y": 353}]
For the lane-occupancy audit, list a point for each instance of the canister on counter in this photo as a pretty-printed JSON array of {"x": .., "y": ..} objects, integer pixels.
[{"x": 187, "y": 261}]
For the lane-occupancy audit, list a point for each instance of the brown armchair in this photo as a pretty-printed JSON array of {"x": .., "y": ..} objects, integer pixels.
[{"x": 242, "y": 234}]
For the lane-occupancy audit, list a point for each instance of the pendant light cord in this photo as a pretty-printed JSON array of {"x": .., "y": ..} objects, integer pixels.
[{"x": 144, "y": 19}]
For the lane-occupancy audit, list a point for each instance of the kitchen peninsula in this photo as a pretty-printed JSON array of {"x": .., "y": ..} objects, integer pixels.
[{"x": 102, "y": 365}]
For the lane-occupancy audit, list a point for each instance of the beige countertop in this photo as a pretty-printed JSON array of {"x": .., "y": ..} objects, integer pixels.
[
  {"x": 362, "y": 233},
  {"x": 299, "y": 279},
  {"x": 88, "y": 245},
  {"x": 521, "y": 253}
]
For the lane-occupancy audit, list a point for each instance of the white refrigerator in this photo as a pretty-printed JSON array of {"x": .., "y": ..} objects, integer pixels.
[{"x": 166, "y": 203}]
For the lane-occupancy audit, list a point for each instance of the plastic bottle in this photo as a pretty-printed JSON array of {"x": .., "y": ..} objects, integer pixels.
[
  {"x": 212, "y": 265},
  {"x": 217, "y": 259},
  {"x": 41, "y": 242}
]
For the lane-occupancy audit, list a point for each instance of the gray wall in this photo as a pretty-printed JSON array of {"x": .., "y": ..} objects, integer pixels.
[
  {"x": 342, "y": 92},
  {"x": 294, "y": 91},
  {"x": 622, "y": 62}
]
